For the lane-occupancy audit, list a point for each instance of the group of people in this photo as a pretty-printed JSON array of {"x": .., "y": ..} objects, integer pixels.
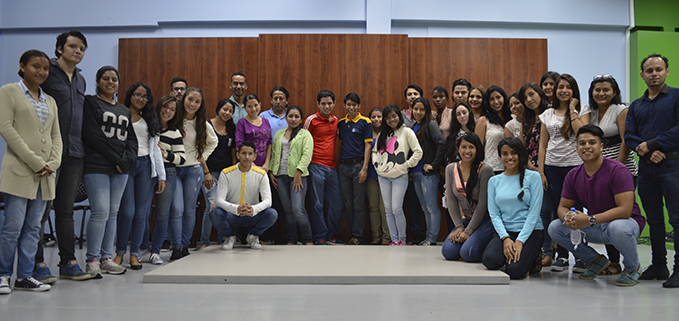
[{"x": 520, "y": 172}]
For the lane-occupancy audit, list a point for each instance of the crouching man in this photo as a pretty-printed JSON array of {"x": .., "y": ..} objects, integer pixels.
[
  {"x": 238, "y": 196},
  {"x": 605, "y": 189}
]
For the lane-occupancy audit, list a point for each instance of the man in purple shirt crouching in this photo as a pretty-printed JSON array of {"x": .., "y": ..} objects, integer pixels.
[{"x": 605, "y": 189}]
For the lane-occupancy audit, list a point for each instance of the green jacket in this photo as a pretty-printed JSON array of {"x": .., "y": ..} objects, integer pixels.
[{"x": 301, "y": 149}]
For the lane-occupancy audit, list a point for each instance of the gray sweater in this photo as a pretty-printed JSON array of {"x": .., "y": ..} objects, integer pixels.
[{"x": 477, "y": 210}]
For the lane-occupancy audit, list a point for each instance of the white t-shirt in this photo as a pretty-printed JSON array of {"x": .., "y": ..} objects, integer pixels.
[
  {"x": 561, "y": 152},
  {"x": 514, "y": 126},
  {"x": 142, "y": 131}
]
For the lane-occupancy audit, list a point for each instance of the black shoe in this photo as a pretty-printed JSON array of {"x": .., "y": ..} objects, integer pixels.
[
  {"x": 185, "y": 252},
  {"x": 537, "y": 265},
  {"x": 673, "y": 281},
  {"x": 176, "y": 255},
  {"x": 655, "y": 272},
  {"x": 31, "y": 284},
  {"x": 166, "y": 246},
  {"x": 580, "y": 266},
  {"x": 319, "y": 242}
]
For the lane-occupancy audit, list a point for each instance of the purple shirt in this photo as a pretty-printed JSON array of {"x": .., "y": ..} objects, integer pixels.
[
  {"x": 261, "y": 136},
  {"x": 597, "y": 192}
]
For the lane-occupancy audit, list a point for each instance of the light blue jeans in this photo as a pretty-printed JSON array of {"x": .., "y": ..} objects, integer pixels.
[
  {"x": 295, "y": 212},
  {"x": 622, "y": 234},
  {"x": 190, "y": 179},
  {"x": 393, "y": 191},
  {"x": 426, "y": 188},
  {"x": 165, "y": 216},
  {"x": 135, "y": 206},
  {"x": 206, "y": 230},
  {"x": 20, "y": 233},
  {"x": 104, "y": 192}
]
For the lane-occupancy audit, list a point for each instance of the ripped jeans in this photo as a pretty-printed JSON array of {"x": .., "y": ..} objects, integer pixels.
[
  {"x": 189, "y": 182},
  {"x": 426, "y": 188}
]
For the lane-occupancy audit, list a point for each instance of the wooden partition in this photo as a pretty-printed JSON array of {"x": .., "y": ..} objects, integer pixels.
[
  {"x": 206, "y": 63},
  {"x": 508, "y": 63},
  {"x": 376, "y": 67}
]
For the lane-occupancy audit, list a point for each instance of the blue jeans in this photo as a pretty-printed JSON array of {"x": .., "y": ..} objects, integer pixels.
[
  {"x": 555, "y": 177},
  {"x": 324, "y": 186},
  {"x": 21, "y": 228},
  {"x": 225, "y": 221},
  {"x": 135, "y": 206},
  {"x": 166, "y": 214},
  {"x": 190, "y": 179},
  {"x": 472, "y": 249},
  {"x": 104, "y": 192},
  {"x": 426, "y": 187},
  {"x": 393, "y": 190},
  {"x": 621, "y": 233},
  {"x": 546, "y": 217},
  {"x": 295, "y": 212},
  {"x": 206, "y": 230},
  {"x": 658, "y": 181}
]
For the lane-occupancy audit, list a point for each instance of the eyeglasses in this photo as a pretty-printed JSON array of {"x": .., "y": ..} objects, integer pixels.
[
  {"x": 178, "y": 89},
  {"x": 597, "y": 77},
  {"x": 140, "y": 96}
]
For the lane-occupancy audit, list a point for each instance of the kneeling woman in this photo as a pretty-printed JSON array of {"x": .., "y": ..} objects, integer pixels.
[
  {"x": 466, "y": 189},
  {"x": 516, "y": 218}
]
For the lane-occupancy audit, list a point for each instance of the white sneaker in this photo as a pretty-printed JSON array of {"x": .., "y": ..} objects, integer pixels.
[
  {"x": 111, "y": 267},
  {"x": 228, "y": 243},
  {"x": 155, "y": 259},
  {"x": 94, "y": 269},
  {"x": 4, "y": 285},
  {"x": 254, "y": 242}
]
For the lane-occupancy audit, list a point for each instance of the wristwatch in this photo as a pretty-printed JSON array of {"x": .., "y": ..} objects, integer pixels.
[{"x": 592, "y": 220}]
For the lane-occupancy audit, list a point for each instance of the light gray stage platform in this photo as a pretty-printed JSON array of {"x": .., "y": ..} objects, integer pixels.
[{"x": 280, "y": 264}]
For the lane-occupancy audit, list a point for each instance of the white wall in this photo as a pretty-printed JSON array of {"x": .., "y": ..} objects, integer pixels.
[{"x": 585, "y": 38}]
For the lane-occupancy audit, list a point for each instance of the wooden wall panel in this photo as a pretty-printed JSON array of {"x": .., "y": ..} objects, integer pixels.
[
  {"x": 508, "y": 63},
  {"x": 373, "y": 66},
  {"x": 206, "y": 63}
]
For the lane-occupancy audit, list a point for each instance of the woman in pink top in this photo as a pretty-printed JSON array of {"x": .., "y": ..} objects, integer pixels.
[{"x": 255, "y": 129}]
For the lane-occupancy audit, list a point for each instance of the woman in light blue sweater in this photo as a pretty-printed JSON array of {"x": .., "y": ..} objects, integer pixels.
[{"x": 516, "y": 218}]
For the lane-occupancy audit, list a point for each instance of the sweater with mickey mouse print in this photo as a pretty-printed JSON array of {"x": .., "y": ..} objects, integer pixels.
[{"x": 392, "y": 161}]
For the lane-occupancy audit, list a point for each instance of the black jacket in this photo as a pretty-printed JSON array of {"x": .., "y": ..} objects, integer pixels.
[{"x": 434, "y": 149}]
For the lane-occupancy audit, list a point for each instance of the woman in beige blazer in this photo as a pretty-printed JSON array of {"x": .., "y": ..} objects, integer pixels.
[{"x": 30, "y": 127}]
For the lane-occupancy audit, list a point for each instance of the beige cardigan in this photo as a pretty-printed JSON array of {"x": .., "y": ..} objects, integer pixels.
[{"x": 30, "y": 145}]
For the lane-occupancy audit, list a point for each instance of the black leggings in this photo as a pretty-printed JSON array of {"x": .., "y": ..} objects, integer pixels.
[{"x": 494, "y": 256}]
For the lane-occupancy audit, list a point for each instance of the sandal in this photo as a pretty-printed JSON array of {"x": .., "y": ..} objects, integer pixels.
[{"x": 612, "y": 269}]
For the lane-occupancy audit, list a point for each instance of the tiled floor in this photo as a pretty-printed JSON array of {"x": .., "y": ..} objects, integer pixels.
[{"x": 550, "y": 296}]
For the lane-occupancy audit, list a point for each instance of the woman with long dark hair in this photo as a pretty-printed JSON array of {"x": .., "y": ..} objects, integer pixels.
[
  {"x": 490, "y": 127},
  {"x": 610, "y": 114},
  {"x": 110, "y": 152},
  {"x": 514, "y": 202},
  {"x": 426, "y": 173},
  {"x": 535, "y": 103},
  {"x": 291, "y": 154},
  {"x": 557, "y": 153},
  {"x": 222, "y": 157},
  {"x": 391, "y": 161},
  {"x": 200, "y": 141},
  {"x": 378, "y": 215},
  {"x": 148, "y": 170},
  {"x": 548, "y": 85},
  {"x": 174, "y": 154},
  {"x": 467, "y": 202}
]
